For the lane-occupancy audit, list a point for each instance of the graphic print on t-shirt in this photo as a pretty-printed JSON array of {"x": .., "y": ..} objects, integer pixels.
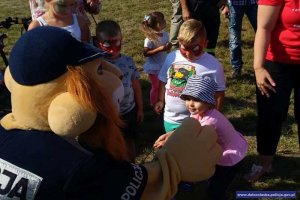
[{"x": 178, "y": 75}]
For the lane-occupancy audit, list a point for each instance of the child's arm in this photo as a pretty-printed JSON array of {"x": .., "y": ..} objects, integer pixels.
[
  {"x": 84, "y": 28},
  {"x": 219, "y": 97},
  {"x": 138, "y": 99},
  {"x": 161, "y": 98},
  {"x": 162, "y": 140},
  {"x": 150, "y": 52}
]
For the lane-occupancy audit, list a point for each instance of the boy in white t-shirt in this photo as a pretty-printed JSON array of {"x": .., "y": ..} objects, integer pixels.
[{"x": 179, "y": 65}]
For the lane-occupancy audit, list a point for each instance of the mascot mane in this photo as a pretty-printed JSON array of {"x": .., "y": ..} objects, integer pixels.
[{"x": 105, "y": 132}]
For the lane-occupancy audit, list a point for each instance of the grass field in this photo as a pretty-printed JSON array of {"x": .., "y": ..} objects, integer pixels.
[{"x": 239, "y": 106}]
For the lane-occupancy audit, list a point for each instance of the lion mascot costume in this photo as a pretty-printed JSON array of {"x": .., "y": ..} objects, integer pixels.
[{"x": 62, "y": 139}]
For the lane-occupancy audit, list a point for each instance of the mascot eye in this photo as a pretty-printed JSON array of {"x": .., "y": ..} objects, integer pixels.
[{"x": 100, "y": 69}]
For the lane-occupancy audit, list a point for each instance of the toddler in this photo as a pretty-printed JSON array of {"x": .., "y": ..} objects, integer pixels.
[
  {"x": 156, "y": 46},
  {"x": 179, "y": 65},
  {"x": 198, "y": 95},
  {"x": 109, "y": 38}
]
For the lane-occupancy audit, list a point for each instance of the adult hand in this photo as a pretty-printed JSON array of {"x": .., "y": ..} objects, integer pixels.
[
  {"x": 186, "y": 14},
  {"x": 94, "y": 6},
  {"x": 264, "y": 81},
  {"x": 162, "y": 140},
  {"x": 225, "y": 11}
]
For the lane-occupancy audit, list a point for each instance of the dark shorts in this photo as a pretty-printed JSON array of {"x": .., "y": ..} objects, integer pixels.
[{"x": 130, "y": 129}]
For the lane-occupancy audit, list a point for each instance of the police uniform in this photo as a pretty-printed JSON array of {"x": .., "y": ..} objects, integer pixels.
[{"x": 43, "y": 166}]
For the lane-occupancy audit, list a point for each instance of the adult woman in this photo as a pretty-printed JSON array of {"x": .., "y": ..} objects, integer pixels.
[{"x": 277, "y": 68}]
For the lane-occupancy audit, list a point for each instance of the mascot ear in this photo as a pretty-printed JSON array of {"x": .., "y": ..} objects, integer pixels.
[
  {"x": 68, "y": 118},
  {"x": 113, "y": 85},
  {"x": 112, "y": 68}
]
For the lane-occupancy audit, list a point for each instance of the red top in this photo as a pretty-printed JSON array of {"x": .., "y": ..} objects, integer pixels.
[{"x": 285, "y": 39}]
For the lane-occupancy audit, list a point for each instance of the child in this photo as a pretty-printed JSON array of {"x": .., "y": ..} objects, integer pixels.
[
  {"x": 60, "y": 13},
  {"x": 179, "y": 65},
  {"x": 156, "y": 46},
  {"x": 108, "y": 38},
  {"x": 37, "y": 8},
  {"x": 199, "y": 99}
]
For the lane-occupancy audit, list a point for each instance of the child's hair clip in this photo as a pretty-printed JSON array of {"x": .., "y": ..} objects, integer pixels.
[{"x": 146, "y": 18}]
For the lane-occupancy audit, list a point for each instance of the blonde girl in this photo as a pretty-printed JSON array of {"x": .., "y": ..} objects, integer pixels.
[
  {"x": 156, "y": 46},
  {"x": 61, "y": 13}
]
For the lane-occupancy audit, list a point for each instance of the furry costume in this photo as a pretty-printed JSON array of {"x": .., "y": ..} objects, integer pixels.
[{"x": 64, "y": 88}]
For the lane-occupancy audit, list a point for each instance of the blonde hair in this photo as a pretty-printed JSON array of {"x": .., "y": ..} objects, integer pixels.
[
  {"x": 105, "y": 133},
  {"x": 149, "y": 25},
  {"x": 57, "y": 8},
  {"x": 190, "y": 31}
]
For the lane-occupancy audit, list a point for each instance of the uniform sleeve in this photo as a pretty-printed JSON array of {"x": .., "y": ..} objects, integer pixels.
[
  {"x": 104, "y": 178},
  {"x": 270, "y": 2},
  {"x": 148, "y": 44}
]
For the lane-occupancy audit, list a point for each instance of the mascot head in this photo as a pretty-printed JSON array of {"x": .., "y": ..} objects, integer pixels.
[{"x": 61, "y": 85}]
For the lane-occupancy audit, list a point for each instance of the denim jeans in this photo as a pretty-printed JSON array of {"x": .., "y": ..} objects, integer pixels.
[
  {"x": 235, "y": 29},
  {"x": 176, "y": 21}
]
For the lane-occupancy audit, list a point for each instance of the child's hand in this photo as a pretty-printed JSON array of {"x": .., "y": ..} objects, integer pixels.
[
  {"x": 158, "y": 107},
  {"x": 140, "y": 116},
  {"x": 168, "y": 46},
  {"x": 162, "y": 140}
]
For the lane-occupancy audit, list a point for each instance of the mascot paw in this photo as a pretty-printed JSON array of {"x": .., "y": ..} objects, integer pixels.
[{"x": 195, "y": 150}]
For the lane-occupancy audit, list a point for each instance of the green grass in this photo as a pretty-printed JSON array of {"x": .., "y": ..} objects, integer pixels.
[{"x": 240, "y": 103}]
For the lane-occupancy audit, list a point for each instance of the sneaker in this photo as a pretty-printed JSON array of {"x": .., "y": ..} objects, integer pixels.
[
  {"x": 236, "y": 73},
  {"x": 257, "y": 172}
]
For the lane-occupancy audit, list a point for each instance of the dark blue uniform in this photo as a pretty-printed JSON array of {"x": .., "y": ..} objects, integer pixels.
[{"x": 43, "y": 166}]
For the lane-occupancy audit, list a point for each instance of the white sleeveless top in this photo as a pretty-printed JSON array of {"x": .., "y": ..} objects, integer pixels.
[{"x": 74, "y": 28}]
